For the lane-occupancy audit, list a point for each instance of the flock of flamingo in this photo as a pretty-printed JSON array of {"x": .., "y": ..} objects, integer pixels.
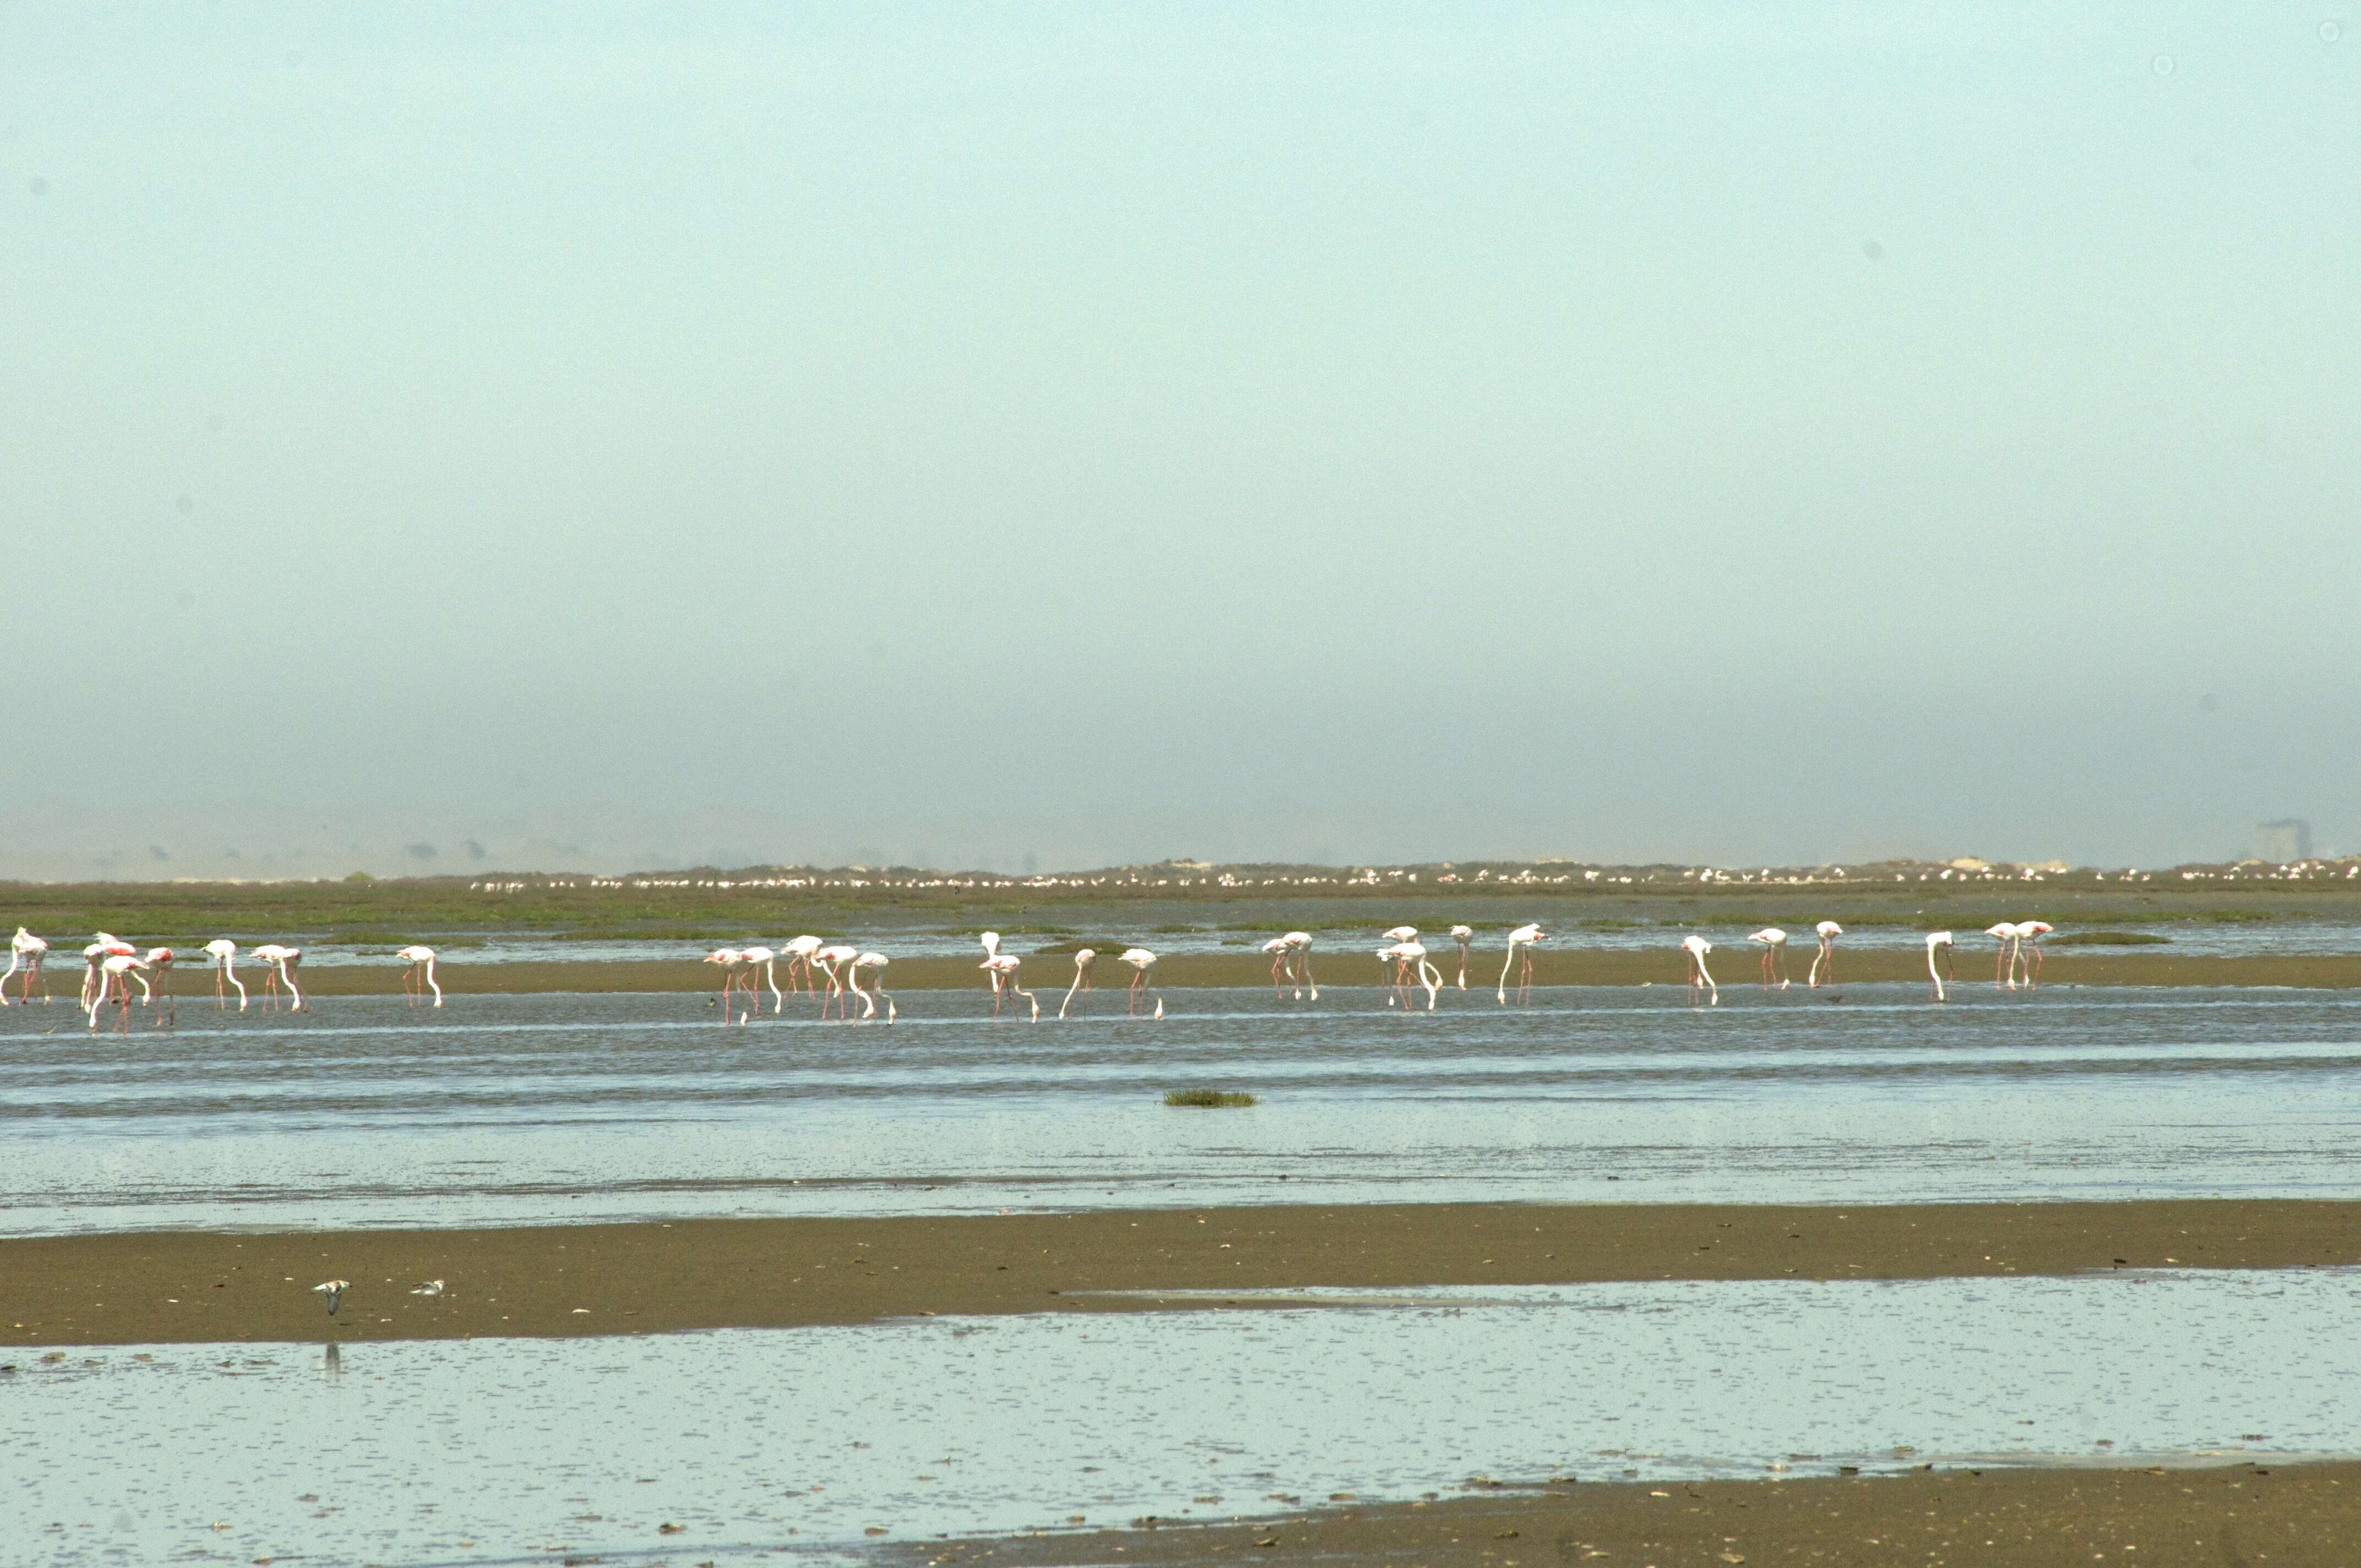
[{"x": 110, "y": 964}]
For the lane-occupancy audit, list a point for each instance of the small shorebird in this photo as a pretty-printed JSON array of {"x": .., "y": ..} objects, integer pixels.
[
  {"x": 876, "y": 964},
  {"x": 1700, "y": 981},
  {"x": 1143, "y": 981},
  {"x": 1003, "y": 966},
  {"x": 2008, "y": 934},
  {"x": 1826, "y": 959},
  {"x": 1463, "y": 935},
  {"x": 1521, "y": 945},
  {"x": 334, "y": 1289},
  {"x": 427, "y": 1288},
  {"x": 1939, "y": 941},
  {"x": 25, "y": 952},
  {"x": 731, "y": 961},
  {"x": 832, "y": 960},
  {"x": 420, "y": 960},
  {"x": 2028, "y": 947},
  {"x": 1085, "y": 958},
  {"x": 225, "y": 952},
  {"x": 1774, "y": 956},
  {"x": 278, "y": 969}
]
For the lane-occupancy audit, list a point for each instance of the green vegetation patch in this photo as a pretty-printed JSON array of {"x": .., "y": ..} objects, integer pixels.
[
  {"x": 1208, "y": 1098},
  {"x": 2108, "y": 939}
]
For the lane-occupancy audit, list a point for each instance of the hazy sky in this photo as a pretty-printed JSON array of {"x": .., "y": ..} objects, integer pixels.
[{"x": 1089, "y": 433}]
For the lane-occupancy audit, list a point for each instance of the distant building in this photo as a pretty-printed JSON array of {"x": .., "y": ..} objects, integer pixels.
[{"x": 2288, "y": 839}]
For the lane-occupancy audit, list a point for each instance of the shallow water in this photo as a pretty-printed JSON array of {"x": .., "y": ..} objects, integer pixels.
[
  {"x": 528, "y": 1108},
  {"x": 489, "y": 1449}
]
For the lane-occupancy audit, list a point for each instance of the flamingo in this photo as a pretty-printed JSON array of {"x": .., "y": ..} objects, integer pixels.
[
  {"x": 1083, "y": 959},
  {"x": 1520, "y": 942},
  {"x": 420, "y": 960},
  {"x": 1301, "y": 942},
  {"x": 1281, "y": 964},
  {"x": 279, "y": 968},
  {"x": 2028, "y": 947},
  {"x": 832, "y": 958},
  {"x": 1700, "y": 980},
  {"x": 1463, "y": 935},
  {"x": 731, "y": 961},
  {"x": 111, "y": 971},
  {"x": 2008, "y": 934},
  {"x": 990, "y": 941},
  {"x": 1775, "y": 954},
  {"x": 1939, "y": 941},
  {"x": 92, "y": 956},
  {"x": 225, "y": 952},
  {"x": 1828, "y": 931},
  {"x": 763, "y": 959},
  {"x": 161, "y": 960},
  {"x": 1002, "y": 967},
  {"x": 800, "y": 953},
  {"x": 25, "y": 952},
  {"x": 1143, "y": 979},
  {"x": 876, "y": 964},
  {"x": 1402, "y": 934},
  {"x": 1404, "y": 956}
]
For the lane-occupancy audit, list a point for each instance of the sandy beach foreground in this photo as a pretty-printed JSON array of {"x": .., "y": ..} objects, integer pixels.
[
  {"x": 2290, "y": 1516},
  {"x": 649, "y": 1277}
]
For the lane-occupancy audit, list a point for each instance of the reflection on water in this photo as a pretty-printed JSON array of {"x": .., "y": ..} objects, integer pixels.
[
  {"x": 491, "y": 1449},
  {"x": 518, "y": 1109}
]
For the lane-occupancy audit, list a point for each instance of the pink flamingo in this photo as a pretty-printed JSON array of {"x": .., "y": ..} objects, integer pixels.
[
  {"x": 1700, "y": 981},
  {"x": 1939, "y": 941},
  {"x": 1408, "y": 960},
  {"x": 729, "y": 961},
  {"x": 160, "y": 959},
  {"x": 1774, "y": 956},
  {"x": 1300, "y": 943},
  {"x": 278, "y": 969},
  {"x": 2029, "y": 946},
  {"x": 92, "y": 956},
  {"x": 832, "y": 958},
  {"x": 26, "y": 952},
  {"x": 112, "y": 969},
  {"x": 1084, "y": 959},
  {"x": 763, "y": 959},
  {"x": 1003, "y": 966},
  {"x": 2006, "y": 933},
  {"x": 1143, "y": 981},
  {"x": 1826, "y": 959},
  {"x": 1463, "y": 935},
  {"x": 800, "y": 956},
  {"x": 225, "y": 952},
  {"x": 1281, "y": 965},
  {"x": 876, "y": 964},
  {"x": 1521, "y": 944},
  {"x": 419, "y": 978}
]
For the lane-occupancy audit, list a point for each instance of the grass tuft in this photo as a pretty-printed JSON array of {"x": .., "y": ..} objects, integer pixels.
[{"x": 1208, "y": 1098}]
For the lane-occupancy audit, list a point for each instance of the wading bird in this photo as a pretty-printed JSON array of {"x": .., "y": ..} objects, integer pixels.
[
  {"x": 1084, "y": 959},
  {"x": 831, "y": 960},
  {"x": 1774, "y": 956},
  {"x": 1283, "y": 965},
  {"x": 731, "y": 961},
  {"x": 1824, "y": 962},
  {"x": 876, "y": 964},
  {"x": 1700, "y": 982},
  {"x": 278, "y": 969},
  {"x": 26, "y": 952},
  {"x": 799, "y": 955},
  {"x": 1939, "y": 941},
  {"x": 2028, "y": 947},
  {"x": 160, "y": 962},
  {"x": 419, "y": 978},
  {"x": 1401, "y": 934},
  {"x": 1003, "y": 966},
  {"x": 1409, "y": 961},
  {"x": 1143, "y": 981},
  {"x": 334, "y": 1289},
  {"x": 1521, "y": 946},
  {"x": 111, "y": 970},
  {"x": 1300, "y": 943},
  {"x": 761, "y": 958},
  {"x": 2004, "y": 973},
  {"x": 225, "y": 952},
  {"x": 1463, "y": 935}
]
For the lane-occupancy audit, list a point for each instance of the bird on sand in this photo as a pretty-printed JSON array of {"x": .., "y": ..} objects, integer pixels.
[
  {"x": 1521, "y": 945},
  {"x": 334, "y": 1289},
  {"x": 1774, "y": 956},
  {"x": 427, "y": 1288},
  {"x": 1700, "y": 981}
]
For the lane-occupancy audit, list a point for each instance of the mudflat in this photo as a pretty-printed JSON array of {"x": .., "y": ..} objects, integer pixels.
[
  {"x": 2289, "y": 1516},
  {"x": 1342, "y": 971},
  {"x": 651, "y": 1276}
]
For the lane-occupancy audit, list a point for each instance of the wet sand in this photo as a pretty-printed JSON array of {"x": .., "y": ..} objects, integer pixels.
[
  {"x": 1049, "y": 974},
  {"x": 2299, "y": 1515},
  {"x": 555, "y": 1281}
]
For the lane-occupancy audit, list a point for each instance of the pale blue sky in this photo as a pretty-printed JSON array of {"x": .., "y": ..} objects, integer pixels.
[{"x": 1626, "y": 431}]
